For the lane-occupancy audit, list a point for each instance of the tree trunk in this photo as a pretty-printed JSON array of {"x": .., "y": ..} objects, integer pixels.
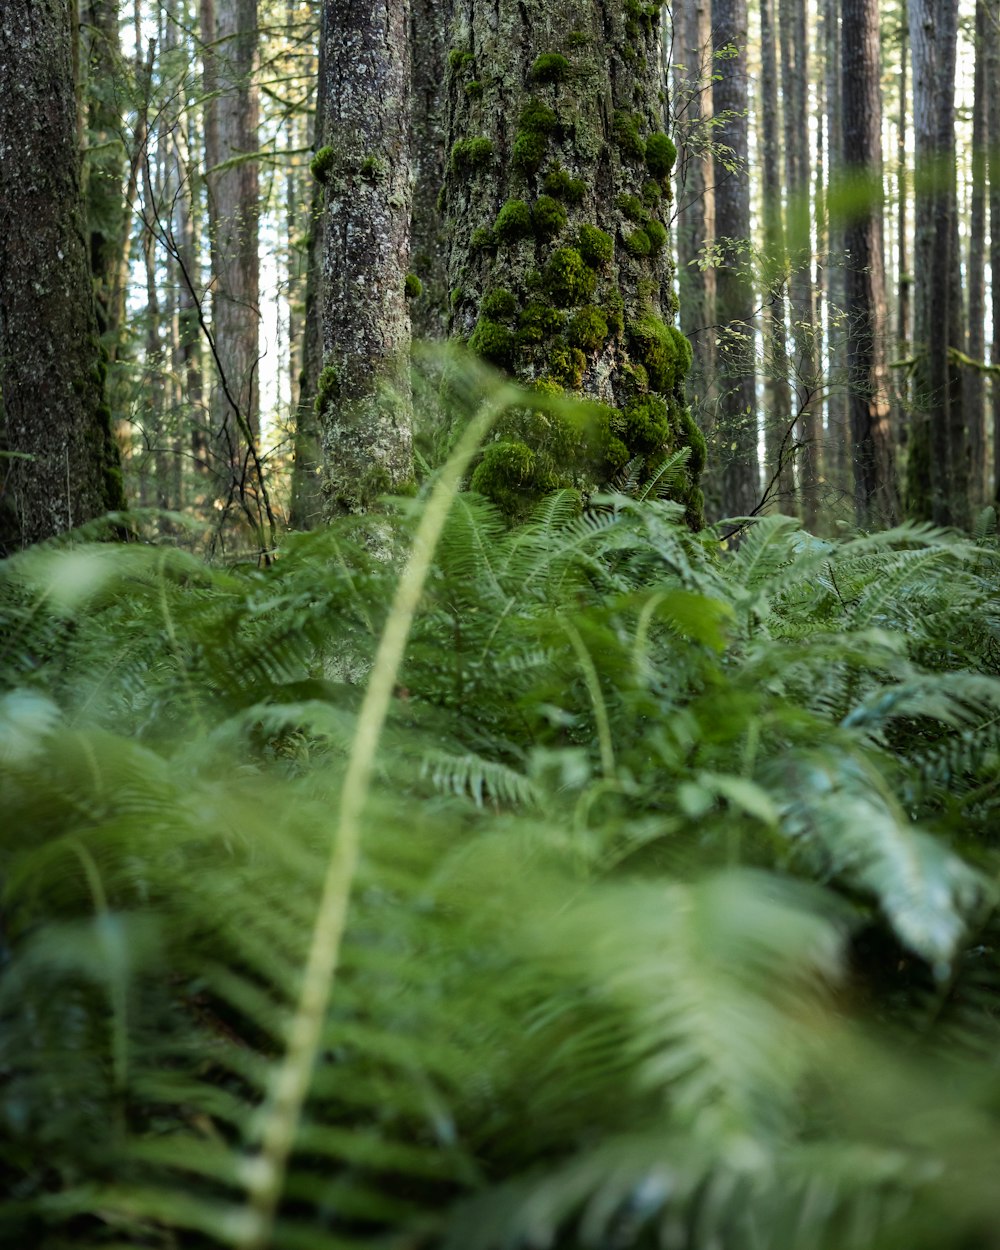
[
  {"x": 734, "y": 290},
  {"x": 558, "y": 183},
  {"x": 229, "y": 35},
  {"x": 694, "y": 218},
  {"x": 875, "y": 495},
  {"x": 795, "y": 83},
  {"x": 364, "y": 390},
  {"x": 974, "y": 380},
  {"x": 777, "y": 421},
  {"x": 66, "y": 467},
  {"x": 993, "y": 139},
  {"x": 934, "y": 468}
]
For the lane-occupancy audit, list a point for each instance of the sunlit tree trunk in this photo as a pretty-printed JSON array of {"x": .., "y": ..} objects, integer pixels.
[
  {"x": 778, "y": 403},
  {"x": 875, "y": 496},
  {"x": 364, "y": 163},
  {"x": 974, "y": 387},
  {"x": 65, "y": 468},
  {"x": 229, "y": 36},
  {"x": 737, "y": 435}
]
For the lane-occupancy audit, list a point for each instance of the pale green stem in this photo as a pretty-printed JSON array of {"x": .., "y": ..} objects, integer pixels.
[
  {"x": 593, "y": 683},
  {"x": 264, "y": 1174}
]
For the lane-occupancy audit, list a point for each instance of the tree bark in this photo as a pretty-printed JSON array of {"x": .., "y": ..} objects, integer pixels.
[
  {"x": 66, "y": 468},
  {"x": 993, "y": 133},
  {"x": 734, "y": 290},
  {"x": 557, "y": 188},
  {"x": 229, "y": 36},
  {"x": 364, "y": 391},
  {"x": 777, "y": 420},
  {"x": 975, "y": 391},
  {"x": 875, "y": 494}
]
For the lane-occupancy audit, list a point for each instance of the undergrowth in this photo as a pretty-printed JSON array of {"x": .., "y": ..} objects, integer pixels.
[{"x": 671, "y": 921}]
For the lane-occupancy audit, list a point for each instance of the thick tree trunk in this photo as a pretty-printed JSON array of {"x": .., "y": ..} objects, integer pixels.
[
  {"x": 993, "y": 140},
  {"x": 364, "y": 390},
  {"x": 558, "y": 185},
  {"x": 66, "y": 466},
  {"x": 737, "y": 436},
  {"x": 875, "y": 494},
  {"x": 229, "y": 35},
  {"x": 778, "y": 407}
]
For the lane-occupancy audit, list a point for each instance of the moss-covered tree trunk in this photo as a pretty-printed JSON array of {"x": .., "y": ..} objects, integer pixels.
[
  {"x": 65, "y": 468},
  {"x": 364, "y": 396},
  {"x": 556, "y": 193}
]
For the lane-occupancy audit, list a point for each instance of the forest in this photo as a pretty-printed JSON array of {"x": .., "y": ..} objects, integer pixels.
[{"x": 499, "y": 625}]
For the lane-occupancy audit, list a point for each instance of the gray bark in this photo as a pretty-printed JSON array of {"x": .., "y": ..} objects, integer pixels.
[
  {"x": 364, "y": 394},
  {"x": 737, "y": 435},
  {"x": 875, "y": 494},
  {"x": 993, "y": 133},
  {"x": 50, "y": 359},
  {"x": 975, "y": 391}
]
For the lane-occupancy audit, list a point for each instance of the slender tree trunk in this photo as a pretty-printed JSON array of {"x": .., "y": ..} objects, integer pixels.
[
  {"x": 838, "y": 432},
  {"x": 993, "y": 139},
  {"x": 777, "y": 419},
  {"x": 694, "y": 217},
  {"x": 734, "y": 290},
  {"x": 975, "y": 395},
  {"x": 935, "y": 469},
  {"x": 795, "y": 83},
  {"x": 875, "y": 495},
  {"x": 229, "y": 35},
  {"x": 904, "y": 312},
  {"x": 66, "y": 467},
  {"x": 364, "y": 391}
]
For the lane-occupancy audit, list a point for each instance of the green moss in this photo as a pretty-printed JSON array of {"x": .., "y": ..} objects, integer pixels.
[
  {"x": 588, "y": 329},
  {"x": 559, "y": 184},
  {"x": 614, "y": 311},
  {"x": 616, "y": 456},
  {"x": 647, "y": 293},
  {"x": 499, "y": 305},
  {"x": 537, "y": 322},
  {"x": 471, "y": 154},
  {"x": 550, "y": 67},
  {"x": 456, "y": 297},
  {"x": 664, "y": 351},
  {"x": 625, "y": 128},
  {"x": 633, "y": 209},
  {"x": 482, "y": 239},
  {"x": 566, "y": 365},
  {"x": 372, "y": 168},
  {"x": 529, "y": 151},
  {"x": 507, "y": 475},
  {"x": 493, "y": 342},
  {"x": 568, "y": 279},
  {"x": 647, "y": 424},
  {"x": 549, "y": 216},
  {"x": 474, "y": 89},
  {"x": 513, "y": 222},
  {"x": 661, "y": 153},
  {"x": 596, "y": 247},
  {"x": 632, "y": 8},
  {"x": 637, "y": 243},
  {"x": 322, "y": 163},
  {"x": 459, "y": 60},
  {"x": 651, "y": 193},
  {"x": 537, "y": 118},
  {"x": 696, "y": 441},
  {"x": 657, "y": 234},
  {"x": 327, "y": 388},
  {"x": 577, "y": 39},
  {"x": 413, "y": 288}
]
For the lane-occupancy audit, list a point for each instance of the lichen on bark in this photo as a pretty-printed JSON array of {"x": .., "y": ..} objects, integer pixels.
[
  {"x": 364, "y": 408},
  {"x": 66, "y": 467},
  {"x": 557, "y": 194}
]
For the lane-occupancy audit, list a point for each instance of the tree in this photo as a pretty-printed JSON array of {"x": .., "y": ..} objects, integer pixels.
[
  {"x": 875, "y": 494},
  {"x": 975, "y": 395},
  {"x": 556, "y": 191},
  {"x": 734, "y": 290},
  {"x": 363, "y": 396},
  {"x": 65, "y": 468},
  {"x": 229, "y": 36}
]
